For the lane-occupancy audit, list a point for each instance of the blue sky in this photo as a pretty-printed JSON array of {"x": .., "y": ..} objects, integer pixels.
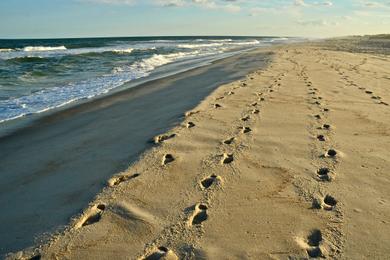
[{"x": 87, "y": 18}]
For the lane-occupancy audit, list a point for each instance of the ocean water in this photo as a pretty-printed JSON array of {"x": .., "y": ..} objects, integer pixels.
[{"x": 39, "y": 75}]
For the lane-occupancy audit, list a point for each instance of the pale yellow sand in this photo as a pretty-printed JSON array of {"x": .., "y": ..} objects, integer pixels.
[{"x": 261, "y": 196}]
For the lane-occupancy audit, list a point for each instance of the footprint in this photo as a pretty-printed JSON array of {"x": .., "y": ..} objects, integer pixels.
[
  {"x": 326, "y": 126},
  {"x": 162, "y": 253},
  {"x": 255, "y": 111},
  {"x": 207, "y": 182},
  {"x": 313, "y": 244},
  {"x": 326, "y": 109},
  {"x": 254, "y": 104},
  {"x": 245, "y": 129},
  {"x": 92, "y": 216},
  {"x": 167, "y": 158},
  {"x": 217, "y": 106},
  {"x": 230, "y": 93},
  {"x": 368, "y": 92},
  {"x": 219, "y": 98},
  {"x": 376, "y": 97},
  {"x": 329, "y": 203},
  {"x": 325, "y": 174},
  {"x": 227, "y": 158},
  {"x": 262, "y": 99},
  {"x": 384, "y": 103},
  {"x": 229, "y": 141},
  {"x": 321, "y": 138},
  {"x": 116, "y": 180},
  {"x": 161, "y": 138},
  {"x": 317, "y": 116},
  {"x": 331, "y": 153},
  {"x": 190, "y": 125},
  {"x": 317, "y": 103},
  {"x": 199, "y": 215},
  {"x": 190, "y": 113},
  {"x": 246, "y": 118},
  {"x": 244, "y": 85}
]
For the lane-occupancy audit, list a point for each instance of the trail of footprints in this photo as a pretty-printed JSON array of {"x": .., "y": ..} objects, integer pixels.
[
  {"x": 314, "y": 243},
  {"x": 198, "y": 213}
]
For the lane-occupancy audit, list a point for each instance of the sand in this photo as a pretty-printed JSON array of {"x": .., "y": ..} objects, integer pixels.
[{"x": 291, "y": 162}]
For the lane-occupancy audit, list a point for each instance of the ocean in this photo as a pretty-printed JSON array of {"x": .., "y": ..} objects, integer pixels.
[{"x": 44, "y": 74}]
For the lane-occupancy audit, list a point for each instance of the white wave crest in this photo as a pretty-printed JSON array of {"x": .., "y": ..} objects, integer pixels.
[
  {"x": 44, "y": 48},
  {"x": 197, "y": 46},
  {"x": 6, "y": 50},
  {"x": 120, "y": 51}
]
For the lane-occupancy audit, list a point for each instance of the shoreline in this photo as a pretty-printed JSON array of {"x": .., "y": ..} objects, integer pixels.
[
  {"x": 60, "y": 151},
  {"x": 284, "y": 164}
]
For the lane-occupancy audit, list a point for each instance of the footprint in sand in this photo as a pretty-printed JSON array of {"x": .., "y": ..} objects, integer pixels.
[
  {"x": 116, "y": 180},
  {"x": 376, "y": 97},
  {"x": 317, "y": 103},
  {"x": 368, "y": 92},
  {"x": 199, "y": 215},
  {"x": 93, "y": 215},
  {"x": 161, "y": 138},
  {"x": 190, "y": 113},
  {"x": 167, "y": 158},
  {"x": 219, "y": 98},
  {"x": 190, "y": 125},
  {"x": 329, "y": 203},
  {"x": 312, "y": 244},
  {"x": 331, "y": 153},
  {"x": 217, "y": 106},
  {"x": 229, "y": 141},
  {"x": 326, "y": 109},
  {"x": 254, "y": 104},
  {"x": 321, "y": 138},
  {"x": 227, "y": 158},
  {"x": 325, "y": 174},
  {"x": 255, "y": 111},
  {"x": 383, "y": 103},
  {"x": 262, "y": 99},
  {"x": 230, "y": 93},
  {"x": 162, "y": 253},
  {"x": 246, "y": 118},
  {"x": 245, "y": 130},
  {"x": 317, "y": 116},
  {"x": 207, "y": 182}
]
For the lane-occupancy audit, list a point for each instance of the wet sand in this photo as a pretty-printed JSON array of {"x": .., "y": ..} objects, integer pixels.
[{"x": 291, "y": 162}]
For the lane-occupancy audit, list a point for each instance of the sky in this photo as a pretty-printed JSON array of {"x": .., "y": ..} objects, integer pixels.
[{"x": 90, "y": 18}]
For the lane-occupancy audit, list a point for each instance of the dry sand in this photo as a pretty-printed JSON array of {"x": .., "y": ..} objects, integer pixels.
[{"x": 292, "y": 162}]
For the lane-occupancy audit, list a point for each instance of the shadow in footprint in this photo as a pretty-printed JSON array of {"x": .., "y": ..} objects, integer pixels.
[
  {"x": 167, "y": 158},
  {"x": 246, "y": 118},
  {"x": 93, "y": 216},
  {"x": 217, "y": 106},
  {"x": 229, "y": 141},
  {"x": 161, "y": 138},
  {"x": 245, "y": 130},
  {"x": 331, "y": 153},
  {"x": 200, "y": 214},
  {"x": 227, "y": 158},
  {"x": 329, "y": 202},
  {"x": 255, "y": 111},
  {"x": 313, "y": 241},
  {"x": 324, "y": 174},
  {"x": 207, "y": 182},
  {"x": 190, "y": 124},
  {"x": 321, "y": 138},
  {"x": 162, "y": 253},
  {"x": 116, "y": 180}
]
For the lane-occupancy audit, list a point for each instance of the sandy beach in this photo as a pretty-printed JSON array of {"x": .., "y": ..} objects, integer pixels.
[{"x": 290, "y": 162}]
